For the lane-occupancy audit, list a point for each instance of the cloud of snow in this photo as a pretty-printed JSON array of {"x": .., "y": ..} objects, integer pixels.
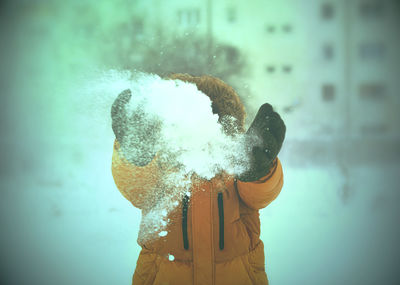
[
  {"x": 173, "y": 119},
  {"x": 190, "y": 133}
]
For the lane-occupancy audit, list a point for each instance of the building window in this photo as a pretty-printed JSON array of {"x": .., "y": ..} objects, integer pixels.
[
  {"x": 328, "y": 51},
  {"x": 287, "y": 28},
  {"x": 229, "y": 53},
  {"x": 138, "y": 27},
  {"x": 270, "y": 28},
  {"x": 232, "y": 54},
  {"x": 287, "y": 69},
  {"x": 328, "y": 92},
  {"x": 232, "y": 14},
  {"x": 372, "y": 9},
  {"x": 375, "y": 91},
  {"x": 189, "y": 17},
  {"x": 270, "y": 69},
  {"x": 327, "y": 11},
  {"x": 372, "y": 51}
]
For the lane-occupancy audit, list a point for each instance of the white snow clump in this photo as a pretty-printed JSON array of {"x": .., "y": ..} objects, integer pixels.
[{"x": 185, "y": 135}]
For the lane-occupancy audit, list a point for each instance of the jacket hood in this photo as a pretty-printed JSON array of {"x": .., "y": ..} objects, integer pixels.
[{"x": 225, "y": 101}]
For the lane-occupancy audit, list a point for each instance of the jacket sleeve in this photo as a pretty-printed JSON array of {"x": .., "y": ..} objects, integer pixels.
[
  {"x": 261, "y": 193},
  {"x": 136, "y": 183}
]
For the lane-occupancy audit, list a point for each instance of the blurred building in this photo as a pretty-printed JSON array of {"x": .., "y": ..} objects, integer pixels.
[{"x": 328, "y": 66}]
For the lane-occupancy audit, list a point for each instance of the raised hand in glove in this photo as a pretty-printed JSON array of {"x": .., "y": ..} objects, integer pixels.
[
  {"x": 265, "y": 138},
  {"x": 137, "y": 134}
]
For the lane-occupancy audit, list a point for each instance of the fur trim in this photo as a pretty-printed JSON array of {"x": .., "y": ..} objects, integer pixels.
[{"x": 225, "y": 101}]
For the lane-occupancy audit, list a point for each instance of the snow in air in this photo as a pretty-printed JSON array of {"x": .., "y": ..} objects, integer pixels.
[{"x": 172, "y": 122}]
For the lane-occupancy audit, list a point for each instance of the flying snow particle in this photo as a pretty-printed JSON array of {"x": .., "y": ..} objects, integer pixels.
[
  {"x": 163, "y": 233},
  {"x": 171, "y": 257}
]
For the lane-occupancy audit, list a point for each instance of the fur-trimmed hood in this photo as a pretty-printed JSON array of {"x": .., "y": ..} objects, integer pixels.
[{"x": 225, "y": 101}]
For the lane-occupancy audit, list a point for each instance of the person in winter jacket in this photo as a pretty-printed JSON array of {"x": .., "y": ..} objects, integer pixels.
[{"x": 214, "y": 235}]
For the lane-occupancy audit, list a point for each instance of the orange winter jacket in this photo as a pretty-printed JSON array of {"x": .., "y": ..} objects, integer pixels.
[{"x": 214, "y": 236}]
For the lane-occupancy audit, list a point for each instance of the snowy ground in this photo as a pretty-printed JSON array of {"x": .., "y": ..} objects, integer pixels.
[
  {"x": 64, "y": 222},
  {"x": 312, "y": 237}
]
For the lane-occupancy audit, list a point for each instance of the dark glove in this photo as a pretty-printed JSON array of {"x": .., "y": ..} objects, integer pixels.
[
  {"x": 264, "y": 138},
  {"x": 137, "y": 134}
]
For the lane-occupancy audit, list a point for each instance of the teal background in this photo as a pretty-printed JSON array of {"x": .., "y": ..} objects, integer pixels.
[{"x": 64, "y": 222}]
